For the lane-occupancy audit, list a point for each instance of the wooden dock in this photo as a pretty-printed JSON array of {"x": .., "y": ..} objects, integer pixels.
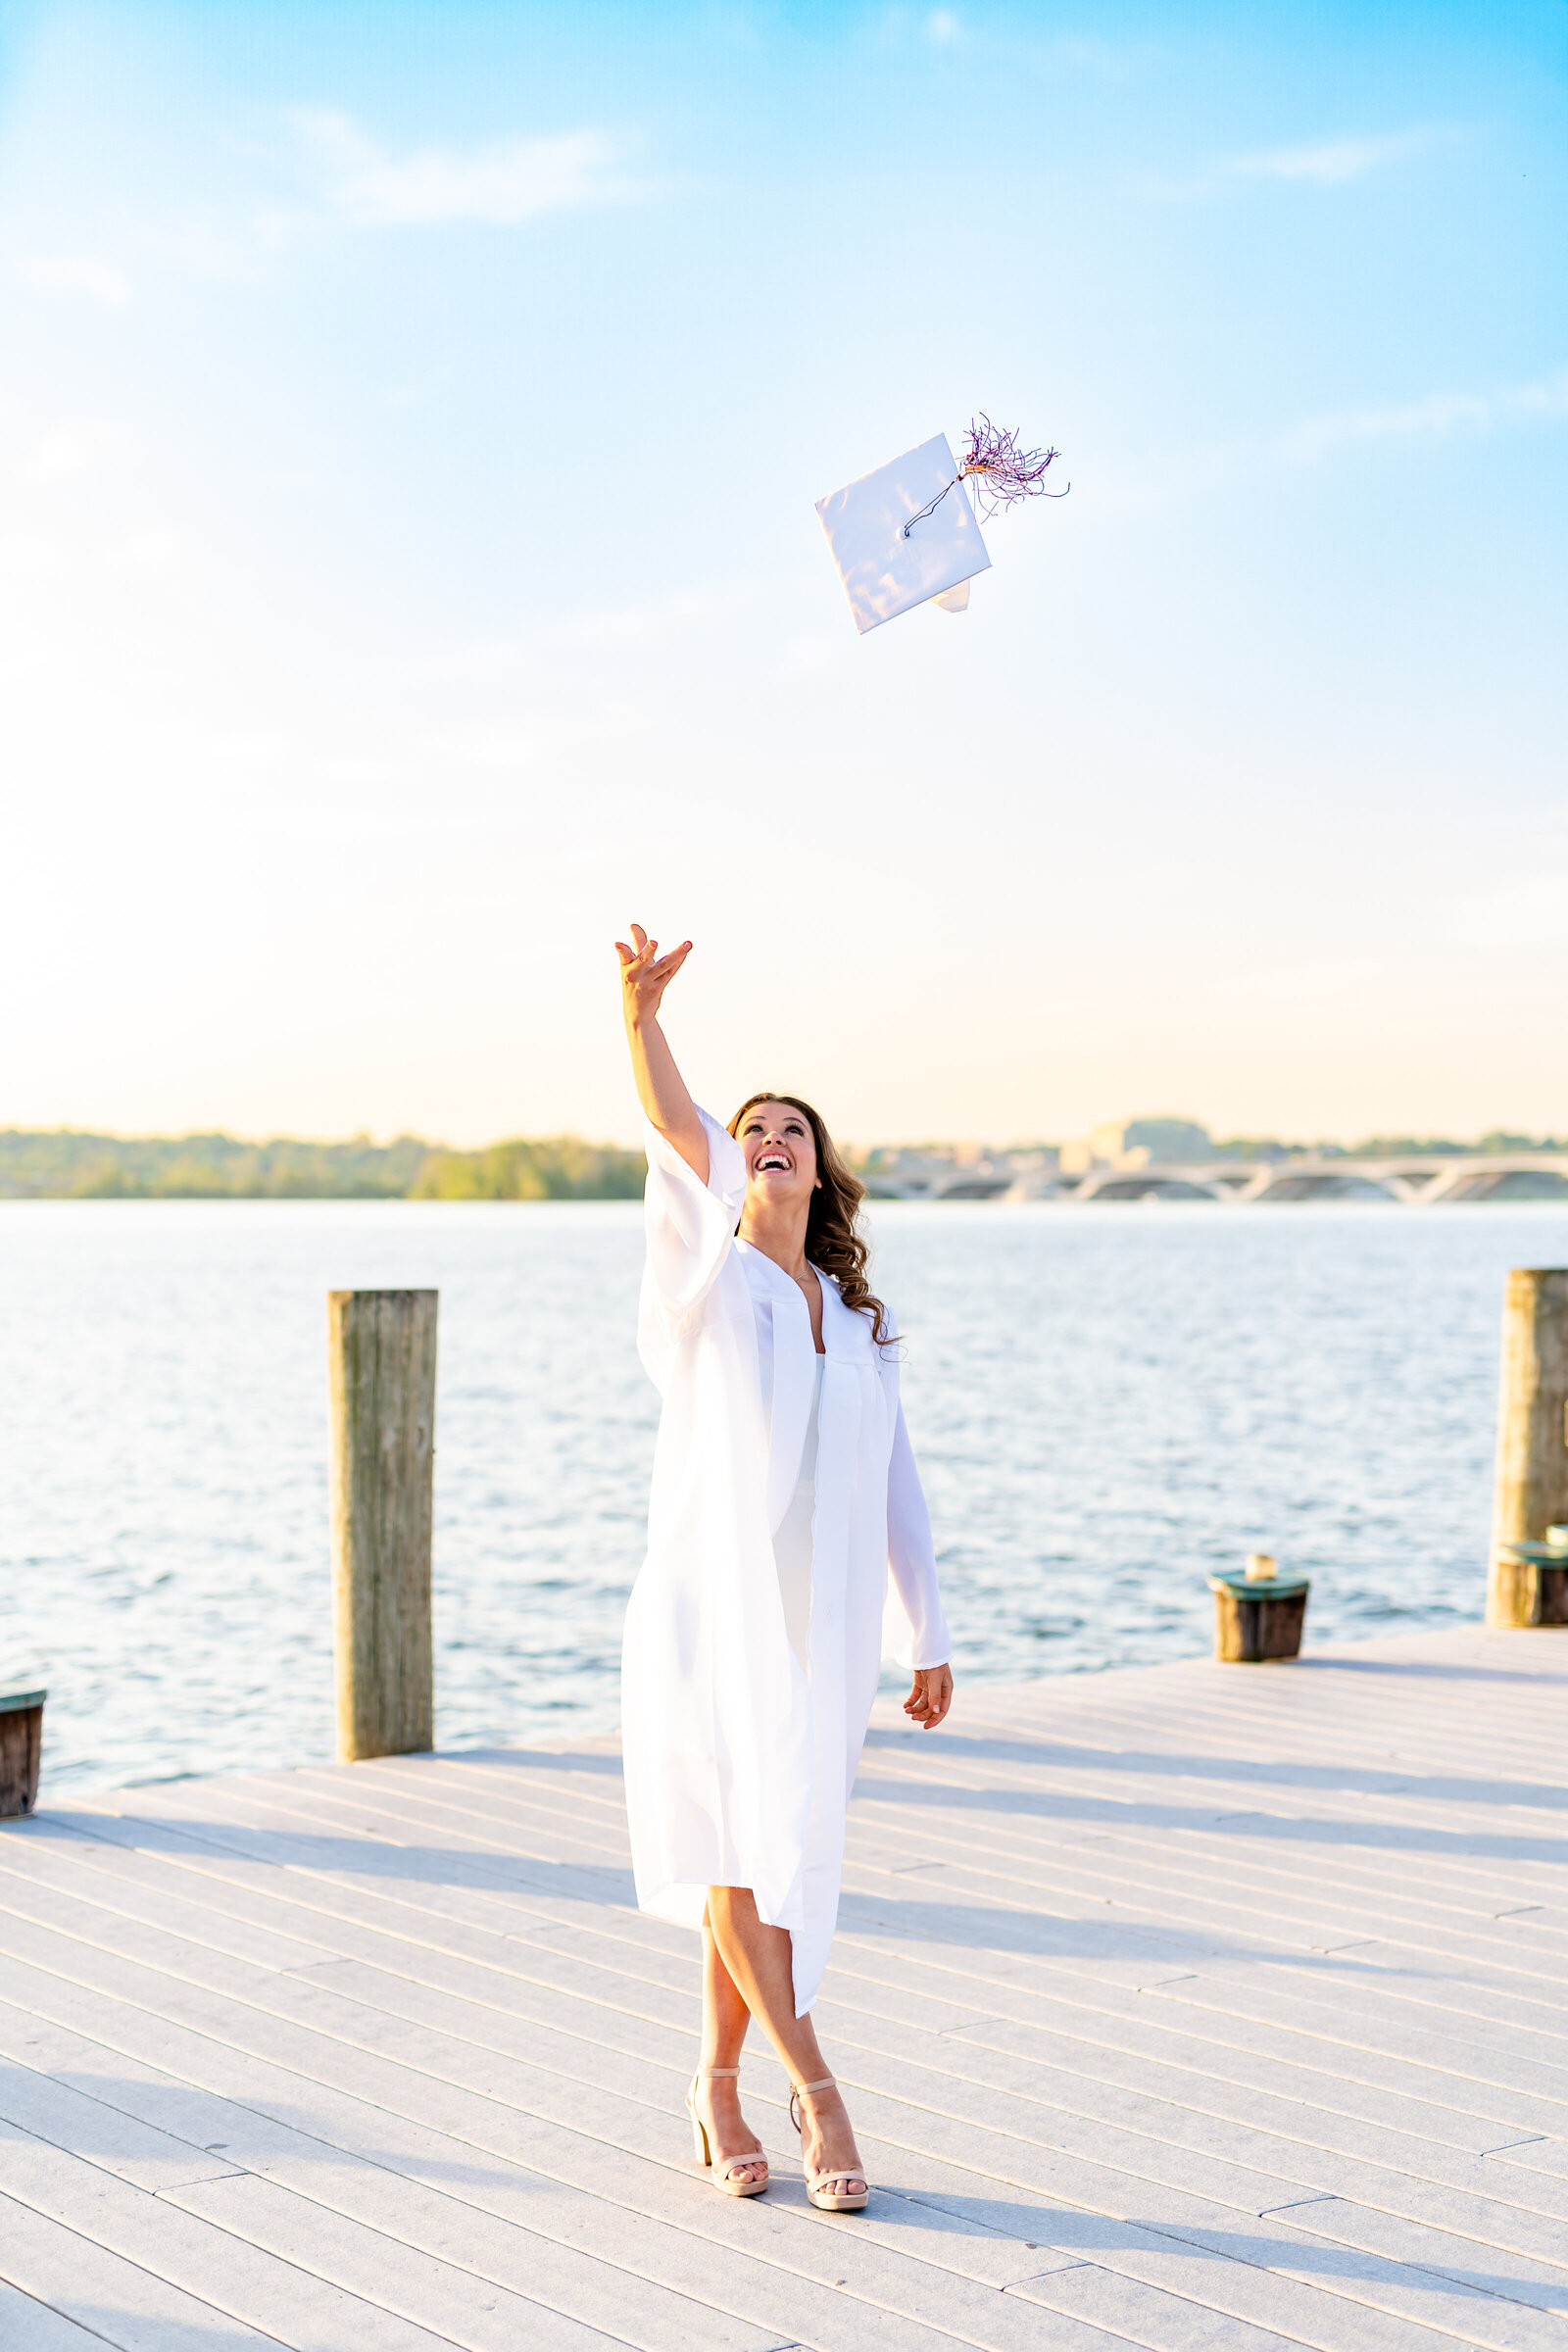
[{"x": 1196, "y": 2008}]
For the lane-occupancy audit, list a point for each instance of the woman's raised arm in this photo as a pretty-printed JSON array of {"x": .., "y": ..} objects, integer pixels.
[{"x": 662, "y": 1091}]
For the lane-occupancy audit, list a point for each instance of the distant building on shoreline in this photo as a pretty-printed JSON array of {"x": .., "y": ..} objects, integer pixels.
[
  {"x": 1127, "y": 1143},
  {"x": 1167, "y": 1157}
]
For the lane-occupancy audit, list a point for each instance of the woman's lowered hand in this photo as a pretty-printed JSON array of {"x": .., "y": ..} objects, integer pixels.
[{"x": 931, "y": 1697}]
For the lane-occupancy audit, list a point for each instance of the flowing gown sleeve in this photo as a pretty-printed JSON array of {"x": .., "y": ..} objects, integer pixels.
[
  {"x": 915, "y": 1630},
  {"x": 691, "y": 1228}
]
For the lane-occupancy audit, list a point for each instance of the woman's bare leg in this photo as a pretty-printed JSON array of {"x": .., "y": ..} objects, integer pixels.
[
  {"x": 726, "y": 2017},
  {"x": 757, "y": 1960}
]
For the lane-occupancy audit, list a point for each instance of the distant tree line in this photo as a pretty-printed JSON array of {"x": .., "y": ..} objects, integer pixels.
[
  {"x": 562, "y": 1167},
  {"x": 66, "y": 1164},
  {"x": 1389, "y": 1146},
  {"x": 1414, "y": 1147}
]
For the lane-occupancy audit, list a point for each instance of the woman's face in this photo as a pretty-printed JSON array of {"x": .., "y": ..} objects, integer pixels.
[{"x": 780, "y": 1154}]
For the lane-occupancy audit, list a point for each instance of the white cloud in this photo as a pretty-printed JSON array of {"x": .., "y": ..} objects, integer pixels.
[
  {"x": 1433, "y": 417},
  {"x": 485, "y": 662},
  {"x": 641, "y": 624},
  {"x": 509, "y": 746},
  {"x": 1328, "y": 162},
  {"x": 1312, "y": 163},
  {"x": 74, "y": 274},
  {"x": 1526, "y": 906},
  {"x": 612, "y": 628},
  {"x": 1116, "y": 61},
  {"x": 65, "y": 452},
  {"x": 810, "y": 656},
  {"x": 504, "y": 183}
]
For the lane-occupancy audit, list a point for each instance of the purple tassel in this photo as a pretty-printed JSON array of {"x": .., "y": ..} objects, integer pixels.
[
  {"x": 1001, "y": 472},
  {"x": 998, "y": 470}
]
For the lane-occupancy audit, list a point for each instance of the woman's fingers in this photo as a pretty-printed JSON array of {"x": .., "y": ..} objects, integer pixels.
[
  {"x": 939, "y": 1695},
  {"x": 644, "y": 971},
  {"x": 639, "y": 958},
  {"x": 931, "y": 1697}
]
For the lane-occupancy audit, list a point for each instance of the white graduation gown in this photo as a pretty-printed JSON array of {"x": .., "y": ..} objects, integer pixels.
[{"x": 739, "y": 1762}]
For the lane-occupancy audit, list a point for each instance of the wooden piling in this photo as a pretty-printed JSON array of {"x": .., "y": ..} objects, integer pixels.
[
  {"x": 381, "y": 1362},
  {"x": 1531, "y": 1492},
  {"x": 21, "y": 1748},
  {"x": 1258, "y": 1618}
]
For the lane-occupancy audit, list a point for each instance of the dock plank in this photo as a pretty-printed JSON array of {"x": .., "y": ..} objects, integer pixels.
[
  {"x": 380, "y": 1975},
  {"x": 1137, "y": 2052},
  {"x": 1186, "y": 2008},
  {"x": 269, "y": 2294},
  {"x": 62, "y": 2275},
  {"x": 29, "y": 2326}
]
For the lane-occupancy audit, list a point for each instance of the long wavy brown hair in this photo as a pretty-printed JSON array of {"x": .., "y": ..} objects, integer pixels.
[{"x": 833, "y": 1241}]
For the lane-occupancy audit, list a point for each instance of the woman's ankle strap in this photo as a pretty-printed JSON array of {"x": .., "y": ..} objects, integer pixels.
[
  {"x": 826, "y": 2083},
  {"x": 718, "y": 2070}
]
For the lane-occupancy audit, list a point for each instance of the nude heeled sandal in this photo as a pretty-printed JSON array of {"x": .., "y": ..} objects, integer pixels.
[
  {"x": 724, "y": 2168},
  {"x": 852, "y": 2200}
]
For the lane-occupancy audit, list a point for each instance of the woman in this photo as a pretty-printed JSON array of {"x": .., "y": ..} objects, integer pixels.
[{"x": 784, "y": 1491}]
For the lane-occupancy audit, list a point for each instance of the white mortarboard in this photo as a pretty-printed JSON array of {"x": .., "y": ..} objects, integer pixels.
[{"x": 886, "y": 573}]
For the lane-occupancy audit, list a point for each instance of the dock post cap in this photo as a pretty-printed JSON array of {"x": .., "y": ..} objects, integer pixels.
[
  {"x": 1253, "y": 1588},
  {"x": 20, "y": 1694}
]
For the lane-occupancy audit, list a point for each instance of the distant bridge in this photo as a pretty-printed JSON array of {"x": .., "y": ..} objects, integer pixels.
[
  {"x": 1419, "y": 1180},
  {"x": 1424, "y": 1181}
]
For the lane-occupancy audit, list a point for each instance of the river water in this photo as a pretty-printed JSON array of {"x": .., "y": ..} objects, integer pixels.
[{"x": 1107, "y": 1405}]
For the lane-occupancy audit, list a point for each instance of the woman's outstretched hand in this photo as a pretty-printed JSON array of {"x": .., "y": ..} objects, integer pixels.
[
  {"x": 645, "y": 975},
  {"x": 931, "y": 1697}
]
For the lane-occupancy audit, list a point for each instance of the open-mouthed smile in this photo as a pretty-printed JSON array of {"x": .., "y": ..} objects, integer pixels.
[{"x": 771, "y": 1159}]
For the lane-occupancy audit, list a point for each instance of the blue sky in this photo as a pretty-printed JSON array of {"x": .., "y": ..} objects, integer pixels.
[{"x": 412, "y": 423}]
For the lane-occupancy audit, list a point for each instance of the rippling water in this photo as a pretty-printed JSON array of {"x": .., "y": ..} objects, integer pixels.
[{"x": 1106, "y": 1405}]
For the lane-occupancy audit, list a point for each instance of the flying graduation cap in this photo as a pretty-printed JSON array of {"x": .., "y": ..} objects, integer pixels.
[{"x": 907, "y": 535}]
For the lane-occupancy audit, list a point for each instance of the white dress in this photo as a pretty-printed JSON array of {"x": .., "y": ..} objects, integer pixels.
[
  {"x": 740, "y": 1748},
  {"x": 792, "y": 1538}
]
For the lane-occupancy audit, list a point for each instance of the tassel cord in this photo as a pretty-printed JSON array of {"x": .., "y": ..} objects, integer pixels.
[
  {"x": 965, "y": 474},
  {"x": 930, "y": 506}
]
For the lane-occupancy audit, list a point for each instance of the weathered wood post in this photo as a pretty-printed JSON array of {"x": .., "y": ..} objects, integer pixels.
[
  {"x": 382, "y": 1362},
  {"x": 1258, "y": 1617},
  {"x": 20, "y": 1747},
  {"x": 1532, "y": 1480}
]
